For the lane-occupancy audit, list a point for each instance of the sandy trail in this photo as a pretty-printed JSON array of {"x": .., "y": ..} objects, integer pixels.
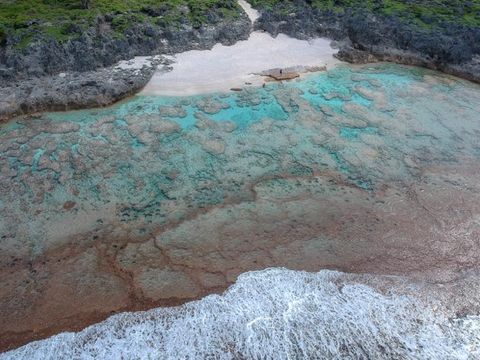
[
  {"x": 225, "y": 67},
  {"x": 253, "y": 14}
]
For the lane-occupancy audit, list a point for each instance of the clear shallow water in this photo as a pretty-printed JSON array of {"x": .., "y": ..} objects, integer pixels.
[
  {"x": 275, "y": 314},
  {"x": 154, "y": 160}
]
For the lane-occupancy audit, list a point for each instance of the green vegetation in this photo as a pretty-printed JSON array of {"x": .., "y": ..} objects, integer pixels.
[
  {"x": 66, "y": 19},
  {"x": 426, "y": 13}
]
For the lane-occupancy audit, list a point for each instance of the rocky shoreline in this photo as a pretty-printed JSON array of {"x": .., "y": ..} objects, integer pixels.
[
  {"x": 82, "y": 73},
  {"x": 366, "y": 37},
  {"x": 468, "y": 71}
]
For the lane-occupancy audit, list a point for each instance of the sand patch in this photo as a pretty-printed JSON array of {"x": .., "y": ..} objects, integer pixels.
[{"x": 225, "y": 67}]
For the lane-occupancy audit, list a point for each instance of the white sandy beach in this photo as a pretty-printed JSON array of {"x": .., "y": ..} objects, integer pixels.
[{"x": 225, "y": 67}]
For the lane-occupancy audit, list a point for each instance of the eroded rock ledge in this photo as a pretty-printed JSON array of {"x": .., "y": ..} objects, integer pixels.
[{"x": 76, "y": 90}]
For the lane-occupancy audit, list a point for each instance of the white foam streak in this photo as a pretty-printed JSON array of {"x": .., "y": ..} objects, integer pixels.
[{"x": 274, "y": 314}]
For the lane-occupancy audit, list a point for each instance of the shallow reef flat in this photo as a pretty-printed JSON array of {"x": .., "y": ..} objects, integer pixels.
[{"x": 158, "y": 200}]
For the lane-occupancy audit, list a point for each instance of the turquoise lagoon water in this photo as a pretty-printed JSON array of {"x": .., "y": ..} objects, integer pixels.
[
  {"x": 154, "y": 160},
  {"x": 256, "y": 104}
]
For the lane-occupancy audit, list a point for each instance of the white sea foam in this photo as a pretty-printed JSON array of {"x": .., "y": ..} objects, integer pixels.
[{"x": 274, "y": 314}]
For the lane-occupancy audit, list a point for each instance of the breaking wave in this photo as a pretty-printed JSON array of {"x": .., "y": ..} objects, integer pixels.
[{"x": 274, "y": 314}]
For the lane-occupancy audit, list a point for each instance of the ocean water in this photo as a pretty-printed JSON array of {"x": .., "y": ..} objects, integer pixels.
[
  {"x": 127, "y": 172},
  {"x": 275, "y": 314}
]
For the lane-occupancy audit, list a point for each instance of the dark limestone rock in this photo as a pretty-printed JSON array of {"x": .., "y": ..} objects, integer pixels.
[
  {"x": 74, "y": 90},
  {"x": 370, "y": 36},
  {"x": 96, "y": 48}
]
